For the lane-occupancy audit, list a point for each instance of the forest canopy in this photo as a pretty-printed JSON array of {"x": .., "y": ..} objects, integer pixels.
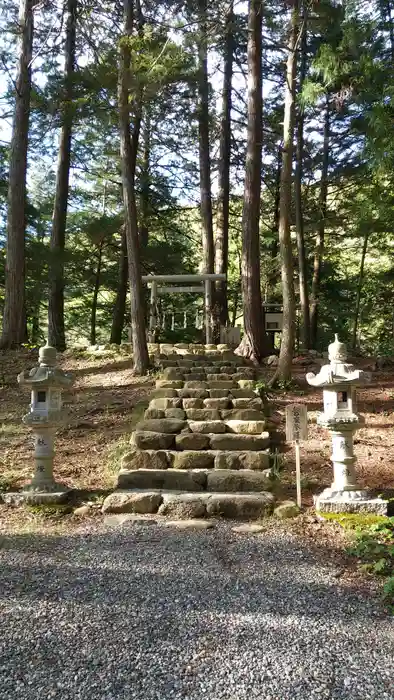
[{"x": 252, "y": 138}]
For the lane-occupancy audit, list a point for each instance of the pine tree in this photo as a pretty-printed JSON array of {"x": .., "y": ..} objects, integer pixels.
[
  {"x": 223, "y": 198},
  {"x": 14, "y": 331},
  {"x": 254, "y": 343},
  {"x": 285, "y": 245},
  {"x": 128, "y": 155},
  {"x": 56, "y": 331}
]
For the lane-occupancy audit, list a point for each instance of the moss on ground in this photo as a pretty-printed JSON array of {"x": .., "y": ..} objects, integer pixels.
[
  {"x": 352, "y": 521},
  {"x": 50, "y": 511}
]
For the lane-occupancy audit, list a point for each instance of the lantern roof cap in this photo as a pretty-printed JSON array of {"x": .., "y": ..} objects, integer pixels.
[
  {"x": 45, "y": 374},
  {"x": 338, "y": 371}
]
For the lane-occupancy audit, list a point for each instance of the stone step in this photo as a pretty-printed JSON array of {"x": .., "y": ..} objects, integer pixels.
[
  {"x": 238, "y": 480},
  {"x": 190, "y": 384},
  {"x": 202, "y": 414},
  {"x": 161, "y": 425},
  {"x": 254, "y": 402},
  {"x": 226, "y": 480},
  {"x": 242, "y": 414},
  {"x": 218, "y": 394},
  {"x": 202, "y": 447},
  {"x": 169, "y": 384},
  {"x": 222, "y": 384},
  {"x": 164, "y": 402},
  {"x": 207, "y": 427},
  {"x": 245, "y": 427},
  {"x": 206, "y": 374},
  {"x": 167, "y": 363},
  {"x": 177, "y": 479},
  {"x": 221, "y": 377},
  {"x": 147, "y": 440},
  {"x": 224, "y": 407},
  {"x": 191, "y": 453},
  {"x": 164, "y": 394},
  {"x": 216, "y": 403},
  {"x": 193, "y": 393},
  {"x": 218, "y": 440},
  {"x": 243, "y": 394},
  {"x": 239, "y": 506},
  {"x": 229, "y": 441},
  {"x": 211, "y": 369},
  {"x": 186, "y": 363}
]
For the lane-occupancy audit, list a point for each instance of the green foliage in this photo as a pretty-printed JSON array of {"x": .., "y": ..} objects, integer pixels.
[
  {"x": 181, "y": 335},
  {"x": 155, "y": 60},
  {"x": 276, "y": 465},
  {"x": 8, "y": 479},
  {"x": 264, "y": 388},
  {"x": 374, "y": 548}
]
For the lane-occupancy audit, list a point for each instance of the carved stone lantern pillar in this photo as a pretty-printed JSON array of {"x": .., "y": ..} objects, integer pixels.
[
  {"x": 46, "y": 382},
  {"x": 339, "y": 381}
]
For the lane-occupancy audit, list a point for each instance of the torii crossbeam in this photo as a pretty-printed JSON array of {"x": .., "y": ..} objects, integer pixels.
[{"x": 206, "y": 288}]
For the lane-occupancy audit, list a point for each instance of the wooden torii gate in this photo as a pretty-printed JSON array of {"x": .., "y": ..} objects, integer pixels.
[{"x": 205, "y": 288}]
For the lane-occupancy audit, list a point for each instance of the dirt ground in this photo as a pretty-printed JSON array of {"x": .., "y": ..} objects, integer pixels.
[{"x": 100, "y": 407}]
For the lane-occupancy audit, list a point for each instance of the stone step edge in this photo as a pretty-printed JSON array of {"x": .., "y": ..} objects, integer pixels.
[
  {"x": 255, "y": 443},
  {"x": 185, "y": 504},
  {"x": 247, "y": 473},
  {"x": 197, "y": 480},
  {"x": 213, "y": 453},
  {"x": 264, "y": 456},
  {"x": 232, "y": 426}
]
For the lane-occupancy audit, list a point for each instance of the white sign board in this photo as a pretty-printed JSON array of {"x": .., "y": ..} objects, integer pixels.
[{"x": 296, "y": 422}]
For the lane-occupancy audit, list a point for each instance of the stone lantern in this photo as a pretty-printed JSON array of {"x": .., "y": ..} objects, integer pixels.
[
  {"x": 46, "y": 382},
  {"x": 339, "y": 381}
]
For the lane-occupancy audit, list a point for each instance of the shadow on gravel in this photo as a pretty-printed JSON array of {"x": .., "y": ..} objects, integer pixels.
[
  {"x": 246, "y": 577},
  {"x": 149, "y": 613}
]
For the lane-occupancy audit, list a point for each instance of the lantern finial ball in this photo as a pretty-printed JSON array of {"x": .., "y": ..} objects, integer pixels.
[{"x": 47, "y": 356}]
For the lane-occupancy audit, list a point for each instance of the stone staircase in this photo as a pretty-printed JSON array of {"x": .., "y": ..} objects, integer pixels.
[{"x": 203, "y": 447}]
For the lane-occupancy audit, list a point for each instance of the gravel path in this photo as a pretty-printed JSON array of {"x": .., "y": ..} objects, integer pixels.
[{"x": 146, "y": 612}]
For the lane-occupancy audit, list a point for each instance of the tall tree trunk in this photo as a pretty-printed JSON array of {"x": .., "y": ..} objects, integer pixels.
[
  {"x": 285, "y": 247},
  {"x": 299, "y": 214},
  {"x": 254, "y": 342},
  {"x": 145, "y": 182},
  {"x": 96, "y": 289},
  {"x": 223, "y": 202},
  {"x": 128, "y": 157},
  {"x": 359, "y": 289},
  {"x": 205, "y": 164},
  {"x": 14, "y": 331},
  {"x": 273, "y": 273},
  {"x": 35, "y": 322},
  {"x": 119, "y": 311},
  {"x": 56, "y": 332},
  {"x": 319, "y": 249}
]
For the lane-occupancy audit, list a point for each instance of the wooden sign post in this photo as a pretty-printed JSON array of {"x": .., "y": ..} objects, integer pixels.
[{"x": 297, "y": 431}]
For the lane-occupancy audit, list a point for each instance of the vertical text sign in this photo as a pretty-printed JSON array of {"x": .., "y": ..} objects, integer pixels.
[{"x": 296, "y": 422}]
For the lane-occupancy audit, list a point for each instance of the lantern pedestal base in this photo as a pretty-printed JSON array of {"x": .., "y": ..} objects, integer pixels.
[
  {"x": 350, "y": 501},
  {"x": 33, "y": 497}
]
